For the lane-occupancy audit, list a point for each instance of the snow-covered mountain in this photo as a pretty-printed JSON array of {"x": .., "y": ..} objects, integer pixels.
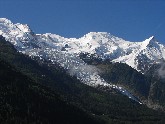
[
  {"x": 138, "y": 55},
  {"x": 65, "y": 51}
]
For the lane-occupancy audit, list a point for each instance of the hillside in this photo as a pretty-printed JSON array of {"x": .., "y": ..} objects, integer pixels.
[
  {"x": 24, "y": 101},
  {"x": 108, "y": 106}
]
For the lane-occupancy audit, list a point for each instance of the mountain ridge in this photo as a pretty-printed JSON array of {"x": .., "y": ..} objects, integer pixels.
[{"x": 103, "y": 44}]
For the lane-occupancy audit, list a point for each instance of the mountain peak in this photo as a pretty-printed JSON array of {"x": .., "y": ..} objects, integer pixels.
[
  {"x": 5, "y": 20},
  {"x": 152, "y": 38},
  {"x": 95, "y": 35}
]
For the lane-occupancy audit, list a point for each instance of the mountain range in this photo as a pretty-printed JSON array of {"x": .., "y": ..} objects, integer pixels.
[{"x": 130, "y": 71}]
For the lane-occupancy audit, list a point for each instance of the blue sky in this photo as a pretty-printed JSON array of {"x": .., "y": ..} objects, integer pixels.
[{"x": 133, "y": 20}]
